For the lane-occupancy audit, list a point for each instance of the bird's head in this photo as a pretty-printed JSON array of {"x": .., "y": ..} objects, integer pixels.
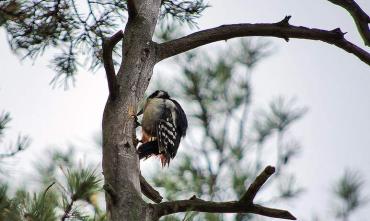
[{"x": 159, "y": 94}]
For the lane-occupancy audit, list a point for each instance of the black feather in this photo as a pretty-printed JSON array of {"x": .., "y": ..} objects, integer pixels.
[
  {"x": 181, "y": 121},
  {"x": 148, "y": 149},
  {"x": 159, "y": 94}
]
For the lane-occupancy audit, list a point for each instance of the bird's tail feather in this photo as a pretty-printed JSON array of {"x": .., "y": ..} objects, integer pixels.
[{"x": 148, "y": 149}]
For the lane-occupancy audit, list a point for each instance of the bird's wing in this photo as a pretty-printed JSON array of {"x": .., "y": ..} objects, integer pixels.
[
  {"x": 167, "y": 134},
  {"x": 181, "y": 120}
]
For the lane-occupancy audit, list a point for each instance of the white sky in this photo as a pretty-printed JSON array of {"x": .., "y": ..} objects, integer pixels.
[{"x": 332, "y": 83}]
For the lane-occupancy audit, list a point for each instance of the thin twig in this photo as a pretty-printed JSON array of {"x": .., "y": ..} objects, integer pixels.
[{"x": 67, "y": 210}]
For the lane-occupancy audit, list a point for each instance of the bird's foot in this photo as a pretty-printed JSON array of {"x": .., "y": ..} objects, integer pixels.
[
  {"x": 133, "y": 115},
  {"x": 136, "y": 141}
]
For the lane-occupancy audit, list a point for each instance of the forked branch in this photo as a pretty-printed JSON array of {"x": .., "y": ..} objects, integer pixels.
[
  {"x": 361, "y": 19},
  {"x": 244, "y": 205},
  {"x": 280, "y": 29},
  {"x": 108, "y": 45}
]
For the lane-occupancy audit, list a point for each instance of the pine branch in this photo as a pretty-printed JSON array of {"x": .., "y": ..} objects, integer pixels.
[
  {"x": 244, "y": 205},
  {"x": 280, "y": 29},
  {"x": 108, "y": 45},
  {"x": 360, "y": 17},
  {"x": 67, "y": 210},
  {"x": 23, "y": 143}
]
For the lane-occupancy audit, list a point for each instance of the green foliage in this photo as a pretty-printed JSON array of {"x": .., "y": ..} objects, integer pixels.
[
  {"x": 73, "y": 195},
  {"x": 226, "y": 151},
  {"x": 48, "y": 168},
  {"x": 283, "y": 114},
  {"x": 287, "y": 188},
  {"x": 349, "y": 191},
  {"x": 82, "y": 183},
  {"x": 22, "y": 141},
  {"x": 8, "y": 209},
  {"x": 75, "y": 30},
  {"x": 4, "y": 120},
  {"x": 24, "y": 206},
  {"x": 183, "y": 11},
  {"x": 280, "y": 115},
  {"x": 40, "y": 206}
]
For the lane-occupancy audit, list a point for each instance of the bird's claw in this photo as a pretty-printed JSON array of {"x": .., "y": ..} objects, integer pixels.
[{"x": 133, "y": 115}]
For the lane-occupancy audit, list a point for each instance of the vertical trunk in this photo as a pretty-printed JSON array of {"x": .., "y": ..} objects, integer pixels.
[{"x": 120, "y": 160}]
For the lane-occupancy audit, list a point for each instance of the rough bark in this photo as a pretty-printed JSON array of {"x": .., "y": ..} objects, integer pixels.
[
  {"x": 120, "y": 161},
  {"x": 108, "y": 45}
]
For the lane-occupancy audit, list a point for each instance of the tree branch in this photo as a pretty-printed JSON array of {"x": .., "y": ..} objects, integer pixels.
[
  {"x": 149, "y": 191},
  {"x": 257, "y": 184},
  {"x": 280, "y": 29},
  {"x": 132, "y": 11},
  {"x": 361, "y": 19},
  {"x": 67, "y": 210},
  {"x": 245, "y": 205},
  {"x": 108, "y": 45}
]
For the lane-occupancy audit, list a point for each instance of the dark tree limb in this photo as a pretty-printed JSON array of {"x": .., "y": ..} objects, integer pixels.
[
  {"x": 257, "y": 184},
  {"x": 360, "y": 17},
  {"x": 108, "y": 45},
  {"x": 132, "y": 10},
  {"x": 68, "y": 210},
  {"x": 149, "y": 191},
  {"x": 280, "y": 29},
  {"x": 244, "y": 205}
]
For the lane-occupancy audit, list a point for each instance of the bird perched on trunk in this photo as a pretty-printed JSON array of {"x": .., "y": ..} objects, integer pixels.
[{"x": 164, "y": 123}]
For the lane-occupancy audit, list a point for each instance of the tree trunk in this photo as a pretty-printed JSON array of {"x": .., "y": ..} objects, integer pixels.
[{"x": 120, "y": 161}]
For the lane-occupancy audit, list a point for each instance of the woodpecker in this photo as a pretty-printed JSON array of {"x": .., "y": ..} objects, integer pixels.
[{"x": 164, "y": 123}]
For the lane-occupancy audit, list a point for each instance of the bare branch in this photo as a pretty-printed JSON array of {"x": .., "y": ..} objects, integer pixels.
[
  {"x": 280, "y": 29},
  {"x": 360, "y": 17},
  {"x": 271, "y": 212},
  {"x": 149, "y": 191},
  {"x": 257, "y": 184},
  {"x": 241, "y": 206},
  {"x": 108, "y": 45}
]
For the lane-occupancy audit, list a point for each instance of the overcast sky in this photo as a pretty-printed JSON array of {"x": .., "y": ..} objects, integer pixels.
[{"x": 333, "y": 84}]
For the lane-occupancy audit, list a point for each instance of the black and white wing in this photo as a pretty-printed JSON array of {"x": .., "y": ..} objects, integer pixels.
[
  {"x": 166, "y": 136},
  {"x": 171, "y": 127}
]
